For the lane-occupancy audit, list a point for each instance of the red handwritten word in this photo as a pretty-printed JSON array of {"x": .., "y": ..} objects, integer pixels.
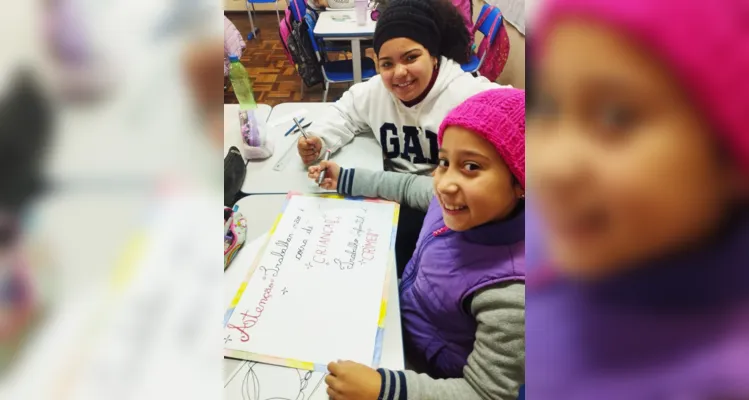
[
  {"x": 322, "y": 244},
  {"x": 370, "y": 246},
  {"x": 250, "y": 320}
]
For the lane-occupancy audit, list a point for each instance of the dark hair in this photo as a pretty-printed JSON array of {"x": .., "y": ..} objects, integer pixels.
[
  {"x": 436, "y": 24},
  {"x": 456, "y": 42}
]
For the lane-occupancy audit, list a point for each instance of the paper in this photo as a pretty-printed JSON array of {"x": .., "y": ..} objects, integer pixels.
[{"x": 317, "y": 290}]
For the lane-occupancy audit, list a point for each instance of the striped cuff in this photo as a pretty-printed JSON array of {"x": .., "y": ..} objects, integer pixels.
[
  {"x": 345, "y": 181},
  {"x": 393, "y": 386}
]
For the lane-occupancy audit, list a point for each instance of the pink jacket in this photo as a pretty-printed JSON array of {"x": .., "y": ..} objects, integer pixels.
[{"x": 233, "y": 43}]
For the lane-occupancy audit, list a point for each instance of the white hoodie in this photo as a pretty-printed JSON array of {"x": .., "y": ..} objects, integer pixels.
[{"x": 408, "y": 135}]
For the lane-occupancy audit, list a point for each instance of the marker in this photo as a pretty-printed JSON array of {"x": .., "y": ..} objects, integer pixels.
[
  {"x": 227, "y": 224},
  {"x": 301, "y": 128},
  {"x": 322, "y": 173}
]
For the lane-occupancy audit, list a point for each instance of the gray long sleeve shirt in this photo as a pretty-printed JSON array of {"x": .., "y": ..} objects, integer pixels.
[{"x": 496, "y": 366}]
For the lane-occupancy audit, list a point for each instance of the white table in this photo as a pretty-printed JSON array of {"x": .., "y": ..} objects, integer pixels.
[
  {"x": 232, "y": 134},
  {"x": 363, "y": 152},
  {"x": 264, "y": 209},
  {"x": 328, "y": 28}
]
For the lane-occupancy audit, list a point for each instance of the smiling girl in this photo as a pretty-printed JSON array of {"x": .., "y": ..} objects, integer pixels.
[
  {"x": 463, "y": 294},
  {"x": 419, "y": 45}
]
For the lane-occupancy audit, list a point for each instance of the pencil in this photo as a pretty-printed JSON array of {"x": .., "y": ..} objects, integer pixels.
[{"x": 322, "y": 173}]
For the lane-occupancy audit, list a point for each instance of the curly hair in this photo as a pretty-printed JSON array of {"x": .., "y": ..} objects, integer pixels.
[{"x": 456, "y": 41}]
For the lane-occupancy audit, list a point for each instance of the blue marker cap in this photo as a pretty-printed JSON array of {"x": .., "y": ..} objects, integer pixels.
[{"x": 233, "y": 58}]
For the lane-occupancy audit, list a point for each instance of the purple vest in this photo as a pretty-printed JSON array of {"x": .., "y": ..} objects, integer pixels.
[
  {"x": 446, "y": 270},
  {"x": 677, "y": 328}
]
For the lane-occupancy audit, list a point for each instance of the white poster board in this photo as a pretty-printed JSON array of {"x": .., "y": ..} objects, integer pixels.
[{"x": 317, "y": 291}]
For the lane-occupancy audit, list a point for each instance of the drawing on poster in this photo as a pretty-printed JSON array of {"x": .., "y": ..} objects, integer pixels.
[{"x": 255, "y": 381}]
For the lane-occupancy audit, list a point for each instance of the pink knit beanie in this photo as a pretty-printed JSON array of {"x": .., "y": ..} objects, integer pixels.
[
  {"x": 705, "y": 44},
  {"x": 497, "y": 115}
]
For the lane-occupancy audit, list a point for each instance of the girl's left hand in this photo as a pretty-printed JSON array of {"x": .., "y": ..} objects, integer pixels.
[{"x": 352, "y": 381}]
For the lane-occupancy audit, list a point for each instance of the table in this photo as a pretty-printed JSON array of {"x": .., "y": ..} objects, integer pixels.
[
  {"x": 363, "y": 152},
  {"x": 328, "y": 28},
  {"x": 232, "y": 135},
  {"x": 264, "y": 210}
]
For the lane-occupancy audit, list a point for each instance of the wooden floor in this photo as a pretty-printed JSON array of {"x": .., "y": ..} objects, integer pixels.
[{"x": 274, "y": 80}]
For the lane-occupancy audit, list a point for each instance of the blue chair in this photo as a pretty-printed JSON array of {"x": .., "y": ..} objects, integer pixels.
[
  {"x": 475, "y": 63},
  {"x": 341, "y": 71},
  {"x": 521, "y": 393},
  {"x": 298, "y": 9},
  {"x": 251, "y": 4}
]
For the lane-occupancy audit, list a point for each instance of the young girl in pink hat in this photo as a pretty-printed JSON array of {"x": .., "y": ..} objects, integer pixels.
[
  {"x": 462, "y": 294},
  {"x": 638, "y": 154}
]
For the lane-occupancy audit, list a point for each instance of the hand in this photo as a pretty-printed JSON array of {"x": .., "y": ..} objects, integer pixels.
[
  {"x": 309, "y": 149},
  {"x": 332, "y": 170},
  {"x": 352, "y": 381}
]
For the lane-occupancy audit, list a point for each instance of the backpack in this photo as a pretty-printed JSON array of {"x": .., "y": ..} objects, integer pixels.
[
  {"x": 284, "y": 31},
  {"x": 496, "y": 58},
  {"x": 298, "y": 45}
]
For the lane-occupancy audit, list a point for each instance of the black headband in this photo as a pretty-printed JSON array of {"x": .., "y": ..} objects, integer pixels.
[{"x": 412, "y": 19}]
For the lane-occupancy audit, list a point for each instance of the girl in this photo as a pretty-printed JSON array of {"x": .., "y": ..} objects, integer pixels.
[
  {"x": 419, "y": 45},
  {"x": 463, "y": 293},
  {"x": 639, "y": 159}
]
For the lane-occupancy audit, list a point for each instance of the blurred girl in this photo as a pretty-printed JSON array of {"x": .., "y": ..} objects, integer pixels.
[
  {"x": 463, "y": 293},
  {"x": 638, "y": 155}
]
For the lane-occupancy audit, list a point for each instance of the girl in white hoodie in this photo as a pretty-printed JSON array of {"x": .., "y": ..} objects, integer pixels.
[{"x": 419, "y": 45}]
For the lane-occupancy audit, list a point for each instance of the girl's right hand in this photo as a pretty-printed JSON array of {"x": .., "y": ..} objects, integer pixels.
[
  {"x": 331, "y": 174},
  {"x": 309, "y": 149}
]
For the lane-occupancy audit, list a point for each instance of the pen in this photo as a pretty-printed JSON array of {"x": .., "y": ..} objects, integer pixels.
[
  {"x": 301, "y": 128},
  {"x": 322, "y": 173},
  {"x": 292, "y": 128}
]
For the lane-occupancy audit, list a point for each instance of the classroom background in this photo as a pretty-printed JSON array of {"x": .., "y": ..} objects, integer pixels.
[{"x": 275, "y": 80}]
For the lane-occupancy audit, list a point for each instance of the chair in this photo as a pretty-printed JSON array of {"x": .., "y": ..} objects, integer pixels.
[
  {"x": 493, "y": 15},
  {"x": 521, "y": 392},
  {"x": 251, "y": 4},
  {"x": 341, "y": 71},
  {"x": 332, "y": 46}
]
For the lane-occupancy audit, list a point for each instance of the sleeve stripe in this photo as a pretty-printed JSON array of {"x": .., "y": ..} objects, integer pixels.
[
  {"x": 402, "y": 393},
  {"x": 342, "y": 181},
  {"x": 351, "y": 180},
  {"x": 393, "y": 382},
  {"x": 383, "y": 384},
  {"x": 339, "y": 187}
]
